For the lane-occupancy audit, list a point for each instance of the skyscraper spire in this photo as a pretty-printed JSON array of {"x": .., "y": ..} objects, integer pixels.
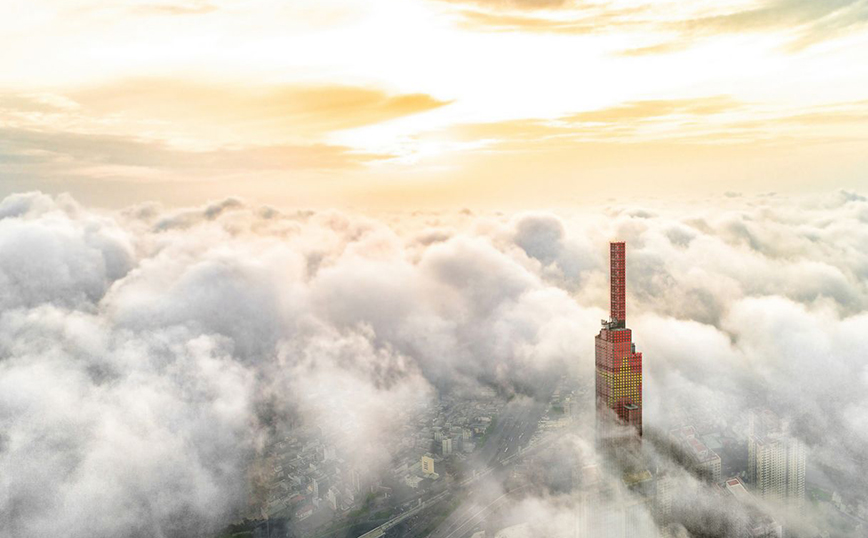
[{"x": 617, "y": 272}]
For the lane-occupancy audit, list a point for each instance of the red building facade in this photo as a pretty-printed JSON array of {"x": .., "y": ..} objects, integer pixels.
[{"x": 618, "y": 364}]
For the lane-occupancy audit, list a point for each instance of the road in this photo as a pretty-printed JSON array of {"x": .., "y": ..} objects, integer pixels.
[
  {"x": 468, "y": 518},
  {"x": 515, "y": 426},
  {"x": 381, "y": 530}
]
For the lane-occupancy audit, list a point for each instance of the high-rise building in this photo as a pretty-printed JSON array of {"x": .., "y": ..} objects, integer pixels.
[
  {"x": 776, "y": 460},
  {"x": 758, "y": 524},
  {"x": 356, "y": 480},
  {"x": 618, "y": 364},
  {"x": 664, "y": 491},
  {"x": 704, "y": 460},
  {"x": 608, "y": 509},
  {"x": 446, "y": 446},
  {"x": 333, "y": 498}
]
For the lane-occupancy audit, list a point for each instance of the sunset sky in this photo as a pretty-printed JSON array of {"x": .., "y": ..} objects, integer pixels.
[
  {"x": 416, "y": 103},
  {"x": 236, "y": 235}
]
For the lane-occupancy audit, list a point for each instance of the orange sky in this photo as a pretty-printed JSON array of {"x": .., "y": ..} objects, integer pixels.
[{"x": 406, "y": 103}]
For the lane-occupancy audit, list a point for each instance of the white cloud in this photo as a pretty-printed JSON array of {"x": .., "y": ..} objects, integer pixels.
[{"x": 145, "y": 354}]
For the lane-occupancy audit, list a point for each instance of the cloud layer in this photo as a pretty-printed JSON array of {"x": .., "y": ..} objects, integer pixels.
[{"x": 146, "y": 354}]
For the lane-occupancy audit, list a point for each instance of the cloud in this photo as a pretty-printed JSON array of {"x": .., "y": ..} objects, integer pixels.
[
  {"x": 279, "y": 110},
  {"x": 543, "y": 237},
  {"x": 60, "y": 256},
  {"x": 518, "y": 4},
  {"x": 656, "y": 48},
  {"x": 28, "y": 155},
  {"x": 165, "y": 337},
  {"x": 706, "y": 121},
  {"x": 149, "y": 128},
  {"x": 811, "y": 21},
  {"x": 639, "y": 110},
  {"x": 99, "y": 406},
  {"x": 195, "y": 7},
  {"x": 620, "y": 123},
  {"x": 805, "y": 22},
  {"x": 147, "y": 356},
  {"x": 552, "y": 17}
]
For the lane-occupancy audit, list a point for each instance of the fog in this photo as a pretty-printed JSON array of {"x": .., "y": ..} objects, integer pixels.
[{"x": 147, "y": 355}]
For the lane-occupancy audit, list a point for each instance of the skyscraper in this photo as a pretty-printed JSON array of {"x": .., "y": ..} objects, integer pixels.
[
  {"x": 618, "y": 365},
  {"x": 776, "y": 460}
]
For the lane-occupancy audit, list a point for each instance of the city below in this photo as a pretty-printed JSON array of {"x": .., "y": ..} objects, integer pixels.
[{"x": 465, "y": 460}]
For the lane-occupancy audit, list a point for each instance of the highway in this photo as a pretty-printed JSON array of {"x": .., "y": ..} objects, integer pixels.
[
  {"x": 515, "y": 426},
  {"x": 381, "y": 530},
  {"x": 468, "y": 518}
]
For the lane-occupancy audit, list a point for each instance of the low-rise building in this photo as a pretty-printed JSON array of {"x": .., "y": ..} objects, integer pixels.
[{"x": 427, "y": 465}]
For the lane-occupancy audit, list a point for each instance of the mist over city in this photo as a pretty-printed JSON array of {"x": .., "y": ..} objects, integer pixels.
[{"x": 172, "y": 372}]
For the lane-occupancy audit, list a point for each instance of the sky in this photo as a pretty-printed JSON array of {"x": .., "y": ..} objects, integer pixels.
[
  {"x": 431, "y": 103},
  {"x": 220, "y": 215}
]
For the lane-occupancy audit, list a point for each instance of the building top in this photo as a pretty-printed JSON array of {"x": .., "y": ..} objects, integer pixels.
[
  {"x": 761, "y": 524},
  {"x": 686, "y": 431},
  {"x": 698, "y": 450},
  {"x": 737, "y": 489},
  {"x": 637, "y": 477}
]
